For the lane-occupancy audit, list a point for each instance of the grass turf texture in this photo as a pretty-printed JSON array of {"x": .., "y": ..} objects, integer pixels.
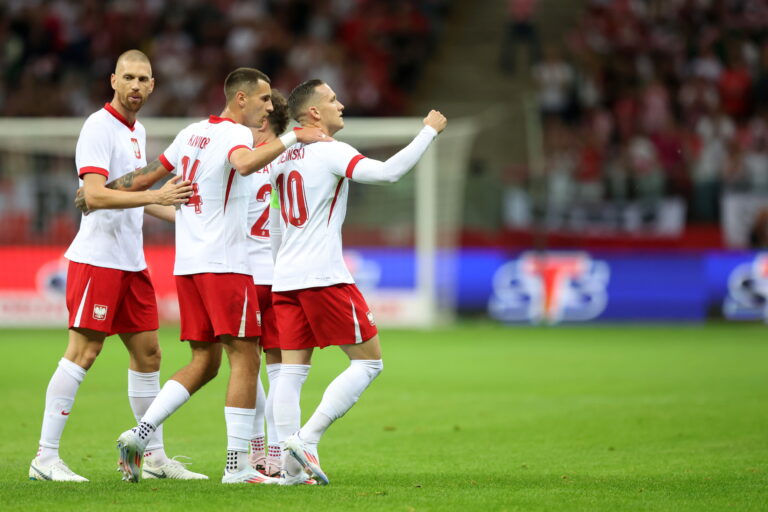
[{"x": 479, "y": 417}]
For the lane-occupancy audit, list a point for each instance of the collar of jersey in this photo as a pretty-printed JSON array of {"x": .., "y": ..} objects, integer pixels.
[
  {"x": 117, "y": 115},
  {"x": 217, "y": 119}
]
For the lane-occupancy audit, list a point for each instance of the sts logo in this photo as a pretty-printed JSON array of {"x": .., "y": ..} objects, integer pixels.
[
  {"x": 549, "y": 287},
  {"x": 748, "y": 290}
]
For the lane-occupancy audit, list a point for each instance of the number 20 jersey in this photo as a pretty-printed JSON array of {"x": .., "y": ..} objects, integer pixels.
[
  {"x": 312, "y": 185},
  {"x": 211, "y": 228}
]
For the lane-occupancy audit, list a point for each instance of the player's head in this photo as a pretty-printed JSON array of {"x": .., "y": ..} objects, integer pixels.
[
  {"x": 314, "y": 103},
  {"x": 275, "y": 123},
  {"x": 132, "y": 80},
  {"x": 249, "y": 96},
  {"x": 277, "y": 120}
]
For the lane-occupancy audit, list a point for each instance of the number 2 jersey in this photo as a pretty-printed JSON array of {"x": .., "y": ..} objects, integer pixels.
[
  {"x": 110, "y": 238},
  {"x": 312, "y": 187},
  {"x": 211, "y": 229},
  {"x": 259, "y": 246}
]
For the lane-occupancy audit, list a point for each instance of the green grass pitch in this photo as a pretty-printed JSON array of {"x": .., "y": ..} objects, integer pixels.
[{"x": 479, "y": 417}]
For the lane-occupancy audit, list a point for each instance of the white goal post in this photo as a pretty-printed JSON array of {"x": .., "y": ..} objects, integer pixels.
[{"x": 438, "y": 197}]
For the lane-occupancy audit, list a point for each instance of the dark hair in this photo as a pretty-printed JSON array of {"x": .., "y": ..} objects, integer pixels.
[
  {"x": 300, "y": 95},
  {"x": 242, "y": 79},
  {"x": 278, "y": 118}
]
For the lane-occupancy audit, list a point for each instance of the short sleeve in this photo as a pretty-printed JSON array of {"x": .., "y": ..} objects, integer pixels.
[
  {"x": 170, "y": 157},
  {"x": 341, "y": 158},
  {"x": 242, "y": 137},
  {"x": 94, "y": 149}
]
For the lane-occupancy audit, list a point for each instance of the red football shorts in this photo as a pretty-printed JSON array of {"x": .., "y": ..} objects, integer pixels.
[
  {"x": 213, "y": 305},
  {"x": 319, "y": 317},
  {"x": 269, "y": 338},
  {"x": 110, "y": 300}
]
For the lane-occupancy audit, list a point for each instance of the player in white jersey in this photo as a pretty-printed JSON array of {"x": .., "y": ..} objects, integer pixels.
[
  {"x": 313, "y": 293},
  {"x": 217, "y": 297},
  {"x": 260, "y": 254},
  {"x": 109, "y": 290}
]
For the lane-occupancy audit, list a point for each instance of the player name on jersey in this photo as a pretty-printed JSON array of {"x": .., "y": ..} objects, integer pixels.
[
  {"x": 292, "y": 154},
  {"x": 198, "y": 141}
]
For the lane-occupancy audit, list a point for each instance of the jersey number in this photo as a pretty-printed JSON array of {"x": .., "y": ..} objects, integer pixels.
[
  {"x": 195, "y": 199},
  {"x": 259, "y": 227},
  {"x": 293, "y": 202}
]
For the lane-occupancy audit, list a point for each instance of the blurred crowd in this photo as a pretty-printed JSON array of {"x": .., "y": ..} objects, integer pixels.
[
  {"x": 57, "y": 54},
  {"x": 655, "y": 98}
]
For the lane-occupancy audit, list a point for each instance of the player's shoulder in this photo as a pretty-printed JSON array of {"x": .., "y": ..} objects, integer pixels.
[
  {"x": 333, "y": 148},
  {"x": 97, "y": 126}
]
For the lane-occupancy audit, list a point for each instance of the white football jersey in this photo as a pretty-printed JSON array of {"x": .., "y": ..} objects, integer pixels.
[
  {"x": 259, "y": 247},
  {"x": 211, "y": 227},
  {"x": 109, "y": 146},
  {"x": 311, "y": 181}
]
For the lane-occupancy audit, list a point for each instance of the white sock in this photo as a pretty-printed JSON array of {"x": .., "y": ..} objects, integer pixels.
[
  {"x": 340, "y": 396},
  {"x": 59, "y": 398},
  {"x": 235, "y": 461},
  {"x": 168, "y": 400},
  {"x": 274, "y": 451},
  {"x": 257, "y": 435},
  {"x": 287, "y": 406},
  {"x": 239, "y": 428},
  {"x": 142, "y": 390}
]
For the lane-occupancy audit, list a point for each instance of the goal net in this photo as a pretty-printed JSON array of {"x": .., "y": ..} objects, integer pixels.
[{"x": 400, "y": 240}]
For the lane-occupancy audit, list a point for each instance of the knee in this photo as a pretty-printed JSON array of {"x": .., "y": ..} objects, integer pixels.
[
  {"x": 209, "y": 373},
  {"x": 371, "y": 367},
  {"x": 148, "y": 359},
  {"x": 85, "y": 357},
  {"x": 207, "y": 367}
]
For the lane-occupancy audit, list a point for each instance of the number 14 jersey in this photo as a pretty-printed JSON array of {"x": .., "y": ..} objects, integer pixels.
[
  {"x": 211, "y": 229},
  {"x": 312, "y": 186}
]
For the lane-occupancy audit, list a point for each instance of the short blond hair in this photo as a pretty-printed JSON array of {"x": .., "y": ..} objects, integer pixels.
[{"x": 134, "y": 55}]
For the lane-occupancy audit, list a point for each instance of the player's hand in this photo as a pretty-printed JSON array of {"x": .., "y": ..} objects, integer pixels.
[
  {"x": 80, "y": 201},
  {"x": 310, "y": 135},
  {"x": 436, "y": 120},
  {"x": 174, "y": 192}
]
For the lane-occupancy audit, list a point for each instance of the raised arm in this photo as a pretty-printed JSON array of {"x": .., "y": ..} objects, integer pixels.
[
  {"x": 377, "y": 172},
  {"x": 248, "y": 161}
]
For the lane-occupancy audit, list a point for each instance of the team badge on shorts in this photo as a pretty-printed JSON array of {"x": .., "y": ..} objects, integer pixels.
[
  {"x": 258, "y": 318},
  {"x": 99, "y": 312},
  {"x": 370, "y": 318}
]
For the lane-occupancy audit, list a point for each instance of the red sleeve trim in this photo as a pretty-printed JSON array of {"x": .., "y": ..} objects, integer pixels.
[
  {"x": 352, "y": 165},
  {"x": 168, "y": 166},
  {"x": 95, "y": 170},
  {"x": 236, "y": 148}
]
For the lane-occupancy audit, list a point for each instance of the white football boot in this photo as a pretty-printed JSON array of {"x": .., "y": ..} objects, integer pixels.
[
  {"x": 173, "y": 469},
  {"x": 131, "y": 449},
  {"x": 57, "y": 471},
  {"x": 307, "y": 457},
  {"x": 247, "y": 475}
]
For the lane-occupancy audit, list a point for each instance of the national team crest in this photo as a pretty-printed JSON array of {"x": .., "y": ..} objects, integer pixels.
[
  {"x": 136, "y": 148},
  {"x": 99, "y": 312},
  {"x": 370, "y": 318},
  {"x": 748, "y": 290},
  {"x": 550, "y": 287},
  {"x": 258, "y": 318}
]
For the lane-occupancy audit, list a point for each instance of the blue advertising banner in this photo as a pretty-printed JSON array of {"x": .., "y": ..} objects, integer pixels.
[{"x": 568, "y": 286}]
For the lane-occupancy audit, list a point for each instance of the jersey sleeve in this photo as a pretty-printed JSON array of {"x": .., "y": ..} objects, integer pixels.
[
  {"x": 170, "y": 157},
  {"x": 341, "y": 158},
  {"x": 241, "y": 137},
  {"x": 94, "y": 149}
]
